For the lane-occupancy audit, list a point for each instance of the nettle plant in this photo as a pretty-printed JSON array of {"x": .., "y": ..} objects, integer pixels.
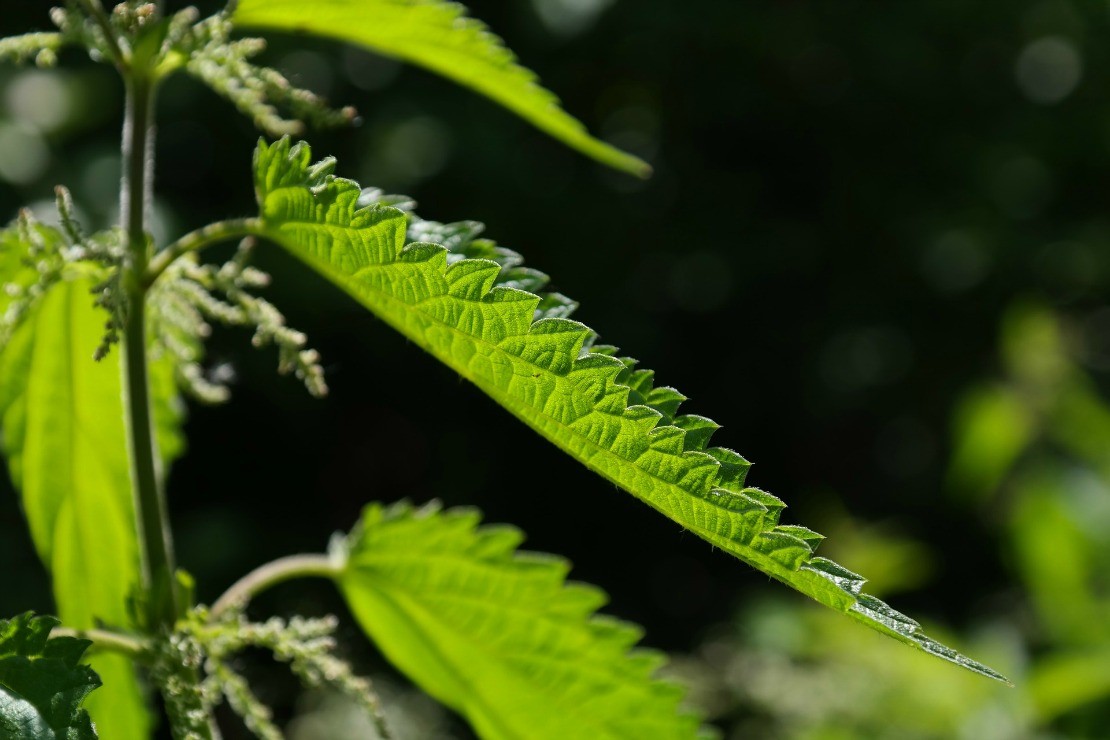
[{"x": 102, "y": 332}]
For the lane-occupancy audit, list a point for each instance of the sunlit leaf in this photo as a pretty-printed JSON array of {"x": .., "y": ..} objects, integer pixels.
[
  {"x": 471, "y": 304},
  {"x": 61, "y": 414},
  {"x": 62, "y": 418},
  {"x": 498, "y": 634},
  {"x": 439, "y": 36}
]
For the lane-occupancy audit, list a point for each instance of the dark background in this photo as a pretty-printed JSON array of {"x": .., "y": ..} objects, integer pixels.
[{"x": 847, "y": 197}]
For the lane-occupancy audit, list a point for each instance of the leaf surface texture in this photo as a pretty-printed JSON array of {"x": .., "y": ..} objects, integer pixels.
[
  {"x": 440, "y": 37},
  {"x": 475, "y": 307},
  {"x": 42, "y": 682},
  {"x": 498, "y": 634}
]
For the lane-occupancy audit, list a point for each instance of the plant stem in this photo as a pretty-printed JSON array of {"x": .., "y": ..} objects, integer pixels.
[
  {"x": 155, "y": 545},
  {"x": 270, "y": 575},
  {"x": 115, "y": 642},
  {"x": 195, "y": 241}
]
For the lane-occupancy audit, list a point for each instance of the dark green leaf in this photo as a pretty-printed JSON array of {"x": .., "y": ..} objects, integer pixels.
[{"x": 42, "y": 682}]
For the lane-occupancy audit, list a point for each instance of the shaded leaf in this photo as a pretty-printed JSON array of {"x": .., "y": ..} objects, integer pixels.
[{"x": 42, "y": 682}]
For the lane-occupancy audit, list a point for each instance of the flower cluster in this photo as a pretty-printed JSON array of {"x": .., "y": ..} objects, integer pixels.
[{"x": 307, "y": 645}]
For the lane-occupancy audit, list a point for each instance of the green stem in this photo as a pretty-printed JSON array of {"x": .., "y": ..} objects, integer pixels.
[
  {"x": 156, "y": 547},
  {"x": 116, "y": 642},
  {"x": 271, "y": 574},
  {"x": 203, "y": 238}
]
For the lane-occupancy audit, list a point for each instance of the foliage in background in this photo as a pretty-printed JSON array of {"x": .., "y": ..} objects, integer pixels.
[{"x": 1029, "y": 448}]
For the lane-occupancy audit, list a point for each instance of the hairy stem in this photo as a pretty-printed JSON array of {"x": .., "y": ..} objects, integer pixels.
[
  {"x": 271, "y": 574},
  {"x": 115, "y": 642},
  {"x": 200, "y": 239},
  {"x": 158, "y": 601},
  {"x": 156, "y": 547}
]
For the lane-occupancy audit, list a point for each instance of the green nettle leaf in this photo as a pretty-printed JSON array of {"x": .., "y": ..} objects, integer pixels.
[
  {"x": 470, "y": 304},
  {"x": 498, "y": 634},
  {"x": 42, "y": 682},
  {"x": 61, "y": 415},
  {"x": 63, "y": 436},
  {"x": 439, "y": 36}
]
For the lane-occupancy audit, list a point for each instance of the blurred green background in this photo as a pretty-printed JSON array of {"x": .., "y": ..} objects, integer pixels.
[{"x": 876, "y": 248}]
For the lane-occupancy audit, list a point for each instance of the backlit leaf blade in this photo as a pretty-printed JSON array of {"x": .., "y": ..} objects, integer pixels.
[
  {"x": 61, "y": 415},
  {"x": 439, "y": 36},
  {"x": 498, "y": 634},
  {"x": 42, "y": 682},
  {"x": 62, "y": 418},
  {"x": 464, "y": 303}
]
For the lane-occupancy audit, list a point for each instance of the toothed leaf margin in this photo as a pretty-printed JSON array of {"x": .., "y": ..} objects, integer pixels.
[
  {"x": 469, "y": 303},
  {"x": 42, "y": 682},
  {"x": 498, "y": 634}
]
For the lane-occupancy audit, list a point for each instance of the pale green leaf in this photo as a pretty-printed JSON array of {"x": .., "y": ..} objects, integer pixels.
[
  {"x": 439, "y": 36},
  {"x": 498, "y": 634},
  {"x": 61, "y": 415},
  {"x": 471, "y": 305},
  {"x": 42, "y": 682},
  {"x": 63, "y": 436}
]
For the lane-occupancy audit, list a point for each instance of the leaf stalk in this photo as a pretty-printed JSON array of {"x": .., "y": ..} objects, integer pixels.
[
  {"x": 196, "y": 241},
  {"x": 116, "y": 642},
  {"x": 271, "y": 574}
]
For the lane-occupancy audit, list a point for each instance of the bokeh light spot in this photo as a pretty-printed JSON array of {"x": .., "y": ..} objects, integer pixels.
[
  {"x": 1048, "y": 69},
  {"x": 569, "y": 17},
  {"x": 38, "y": 99},
  {"x": 24, "y": 156}
]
